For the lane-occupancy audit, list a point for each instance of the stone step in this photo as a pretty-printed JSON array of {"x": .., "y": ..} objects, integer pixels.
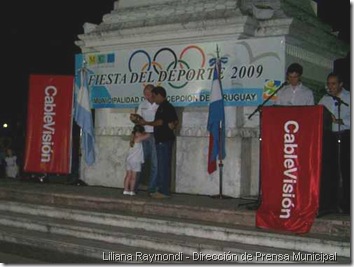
[
  {"x": 13, "y": 258},
  {"x": 188, "y": 237},
  {"x": 53, "y": 248},
  {"x": 59, "y": 248},
  {"x": 17, "y": 253},
  {"x": 187, "y": 207}
]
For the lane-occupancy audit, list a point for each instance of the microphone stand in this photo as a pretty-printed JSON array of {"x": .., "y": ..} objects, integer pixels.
[
  {"x": 257, "y": 202},
  {"x": 338, "y": 103},
  {"x": 259, "y": 108},
  {"x": 339, "y": 169}
]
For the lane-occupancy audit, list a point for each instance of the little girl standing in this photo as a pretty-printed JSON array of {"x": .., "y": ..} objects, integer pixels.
[
  {"x": 11, "y": 164},
  {"x": 135, "y": 158}
]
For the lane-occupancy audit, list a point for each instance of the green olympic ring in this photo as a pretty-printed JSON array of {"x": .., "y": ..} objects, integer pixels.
[{"x": 168, "y": 68}]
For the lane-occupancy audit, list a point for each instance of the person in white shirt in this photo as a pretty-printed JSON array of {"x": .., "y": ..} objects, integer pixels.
[
  {"x": 135, "y": 158},
  {"x": 147, "y": 110},
  {"x": 294, "y": 93},
  {"x": 337, "y": 102},
  {"x": 11, "y": 164}
]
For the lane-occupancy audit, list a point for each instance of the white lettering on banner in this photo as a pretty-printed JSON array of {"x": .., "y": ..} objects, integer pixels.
[
  {"x": 245, "y": 97},
  {"x": 240, "y": 97},
  {"x": 183, "y": 98},
  {"x": 290, "y": 179},
  {"x": 115, "y": 100},
  {"x": 49, "y": 123}
]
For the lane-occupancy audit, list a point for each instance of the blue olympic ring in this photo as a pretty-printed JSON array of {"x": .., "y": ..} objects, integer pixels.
[{"x": 145, "y": 53}]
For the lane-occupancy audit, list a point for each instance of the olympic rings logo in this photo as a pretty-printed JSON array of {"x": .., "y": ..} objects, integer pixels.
[{"x": 165, "y": 61}]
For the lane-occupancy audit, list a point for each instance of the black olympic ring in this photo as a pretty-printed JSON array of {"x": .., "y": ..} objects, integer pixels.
[{"x": 167, "y": 49}]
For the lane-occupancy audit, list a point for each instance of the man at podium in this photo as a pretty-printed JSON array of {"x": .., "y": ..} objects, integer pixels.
[
  {"x": 337, "y": 101},
  {"x": 294, "y": 93}
]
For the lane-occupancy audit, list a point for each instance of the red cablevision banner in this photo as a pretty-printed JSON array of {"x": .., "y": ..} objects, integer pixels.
[
  {"x": 291, "y": 152},
  {"x": 49, "y": 124}
]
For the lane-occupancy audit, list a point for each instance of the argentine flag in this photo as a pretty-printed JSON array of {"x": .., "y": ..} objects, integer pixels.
[
  {"x": 216, "y": 121},
  {"x": 83, "y": 117}
]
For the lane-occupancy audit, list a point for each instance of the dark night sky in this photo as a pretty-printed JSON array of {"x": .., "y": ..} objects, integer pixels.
[{"x": 39, "y": 39}]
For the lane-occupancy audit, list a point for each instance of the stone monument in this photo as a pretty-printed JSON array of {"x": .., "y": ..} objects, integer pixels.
[{"x": 151, "y": 23}]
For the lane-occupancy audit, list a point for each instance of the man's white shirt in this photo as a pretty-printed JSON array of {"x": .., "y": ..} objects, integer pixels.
[
  {"x": 295, "y": 96},
  {"x": 147, "y": 110},
  {"x": 332, "y": 107}
]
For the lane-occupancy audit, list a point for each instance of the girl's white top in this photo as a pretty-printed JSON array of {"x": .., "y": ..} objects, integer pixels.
[{"x": 136, "y": 153}]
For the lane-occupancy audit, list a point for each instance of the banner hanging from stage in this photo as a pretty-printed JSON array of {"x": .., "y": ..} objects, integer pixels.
[
  {"x": 291, "y": 152},
  {"x": 49, "y": 124}
]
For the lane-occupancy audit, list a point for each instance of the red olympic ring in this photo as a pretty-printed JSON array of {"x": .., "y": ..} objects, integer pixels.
[{"x": 191, "y": 47}]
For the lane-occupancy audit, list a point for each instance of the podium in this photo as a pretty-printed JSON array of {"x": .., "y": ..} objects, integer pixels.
[{"x": 296, "y": 182}]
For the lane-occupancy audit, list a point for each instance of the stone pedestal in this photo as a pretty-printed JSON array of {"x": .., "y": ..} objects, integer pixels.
[{"x": 156, "y": 23}]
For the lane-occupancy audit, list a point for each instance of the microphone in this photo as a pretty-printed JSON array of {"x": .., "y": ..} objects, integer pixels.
[
  {"x": 333, "y": 96},
  {"x": 280, "y": 87},
  {"x": 284, "y": 83},
  {"x": 269, "y": 97},
  {"x": 338, "y": 99}
]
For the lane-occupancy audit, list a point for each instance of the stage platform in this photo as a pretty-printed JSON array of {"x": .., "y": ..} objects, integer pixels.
[{"x": 216, "y": 211}]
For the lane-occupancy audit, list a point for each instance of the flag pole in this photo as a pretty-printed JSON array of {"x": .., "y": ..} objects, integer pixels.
[
  {"x": 83, "y": 116},
  {"x": 221, "y": 164}
]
